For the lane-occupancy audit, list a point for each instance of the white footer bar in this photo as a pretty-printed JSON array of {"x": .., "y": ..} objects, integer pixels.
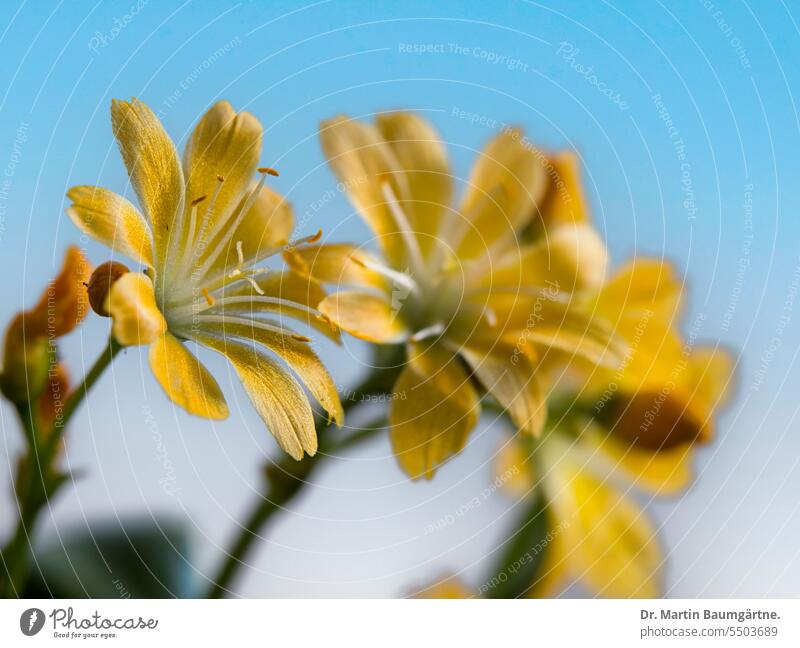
[{"x": 406, "y": 623}]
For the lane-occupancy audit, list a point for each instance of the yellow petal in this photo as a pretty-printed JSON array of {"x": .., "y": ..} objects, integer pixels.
[
  {"x": 185, "y": 380},
  {"x": 365, "y": 316},
  {"x": 512, "y": 380},
  {"x": 565, "y": 202},
  {"x": 434, "y": 409},
  {"x": 293, "y": 296},
  {"x": 515, "y": 469},
  {"x": 363, "y": 162},
  {"x": 421, "y": 154},
  {"x": 110, "y": 219},
  {"x": 297, "y": 354},
  {"x": 339, "y": 264},
  {"x": 665, "y": 472},
  {"x": 506, "y": 183},
  {"x": 153, "y": 167},
  {"x": 548, "y": 323},
  {"x": 132, "y": 305},
  {"x": 261, "y": 232},
  {"x": 709, "y": 383},
  {"x": 569, "y": 258},
  {"x": 447, "y": 587},
  {"x": 276, "y": 395},
  {"x": 227, "y": 144},
  {"x": 641, "y": 285},
  {"x": 609, "y": 541}
]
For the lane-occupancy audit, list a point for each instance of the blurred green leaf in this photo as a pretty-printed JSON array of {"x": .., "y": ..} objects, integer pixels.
[
  {"x": 519, "y": 565},
  {"x": 138, "y": 558}
]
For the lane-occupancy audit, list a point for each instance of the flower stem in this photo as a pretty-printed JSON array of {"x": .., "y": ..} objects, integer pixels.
[
  {"x": 286, "y": 478},
  {"x": 38, "y": 479}
]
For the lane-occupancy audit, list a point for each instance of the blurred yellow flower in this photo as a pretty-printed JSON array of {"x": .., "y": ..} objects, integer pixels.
[
  {"x": 446, "y": 587},
  {"x": 456, "y": 285},
  {"x": 634, "y": 427},
  {"x": 205, "y": 226},
  {"x": 661, "y": 400}
]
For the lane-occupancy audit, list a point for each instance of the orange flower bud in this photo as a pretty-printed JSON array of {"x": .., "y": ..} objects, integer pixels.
[{"x": 29, "y": 340}]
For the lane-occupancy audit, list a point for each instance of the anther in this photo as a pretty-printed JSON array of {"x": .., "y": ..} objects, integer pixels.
[{"x": 208, "y": 296}]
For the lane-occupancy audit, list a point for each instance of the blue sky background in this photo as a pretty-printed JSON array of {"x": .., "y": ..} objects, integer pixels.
[{"x": 726, "y": 73}]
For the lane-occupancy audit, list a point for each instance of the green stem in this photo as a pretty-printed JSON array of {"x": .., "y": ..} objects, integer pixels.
[
  {"x": 37, "y": 480},
  {"x": 287, "y": 478}
]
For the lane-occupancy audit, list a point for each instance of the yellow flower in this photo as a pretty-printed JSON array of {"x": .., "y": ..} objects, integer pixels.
[
  {"x": 661, "y": 400},
  {"x": 456, "y": 286},
  {"x": 637, "y": 426},
  {"x": 204, "y": 226}
]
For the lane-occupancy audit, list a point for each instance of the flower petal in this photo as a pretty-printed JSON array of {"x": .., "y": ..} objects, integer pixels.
[
  {"x": 363, "y": 163},
  {"x": 434, "y": 411},
  {"x": 564, "y": 203},
  {"x": 569, "y": 258},
  {"x": 607, "y": 537},
  {"x": 297, "y": 354},
  {"x": 153, "y": 167},
  {"x": 224, "y": 144},
  {"x": 185, "y": 380},
  {"x": 288, "y": 294},
  {"x": 261, "y": 232},
  {"x": 549, "y": 323},
  {"x": 112, "y": 220},
  {"x": 641, "y": 285},
  {"x": 131, "y": 303},
  {"x": 506, "y": 183},
  {"x": 365, "y": 316},
  {"x": 423, "y": 158},
  {"x": 514, "y": 468},
  {"x": 446, "y": 587},
  {"x": 709, "y": 382},
  {"x": 664, "y": 473},
  {"x": 511, "y": 379},
  {"x": 279, "y": 400},
  {"x": 339, "y": 264}
]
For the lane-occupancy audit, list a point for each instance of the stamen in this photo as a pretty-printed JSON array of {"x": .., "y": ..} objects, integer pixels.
[
  {"x": 208, "y": 296},
  {"x": 230, "y": 227},
  {"x": 240, "y": 254},
  {"x": 429, "y": 331},
  {"x": 490, "y": 316},
  {"x": 254, "y": 284},
  {"x": 306, "y": 239},
  {"x": 268, "y": 170},
  {"x": 400, "y": 278},
  {"x": 412, "y": 244},
  {"x": 186, "y": 258}
]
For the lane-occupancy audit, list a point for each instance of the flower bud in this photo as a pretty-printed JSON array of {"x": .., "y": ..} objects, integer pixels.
[
  {"x": 104, "y": 276},
  {"x": 26, "y": 361}
]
